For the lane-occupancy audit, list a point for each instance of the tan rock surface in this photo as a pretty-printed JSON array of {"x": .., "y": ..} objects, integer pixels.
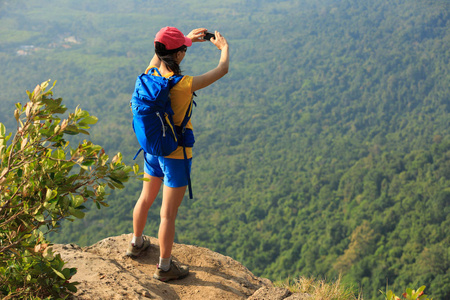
[{"x": 104, "y": 272}]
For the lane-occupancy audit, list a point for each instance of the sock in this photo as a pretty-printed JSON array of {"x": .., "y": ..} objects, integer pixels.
[
  {"x": 137, "y": 240},
  {"x": 164, "y": 263}
]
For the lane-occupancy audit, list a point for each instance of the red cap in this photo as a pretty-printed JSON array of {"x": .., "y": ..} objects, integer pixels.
[{"x": 172, "y": 38}]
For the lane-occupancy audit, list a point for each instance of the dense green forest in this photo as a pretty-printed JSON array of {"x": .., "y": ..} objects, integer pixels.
[{"x": 325, "y": 150}]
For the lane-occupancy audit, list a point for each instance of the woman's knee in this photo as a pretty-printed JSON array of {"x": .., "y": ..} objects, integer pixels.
[
  {"x": 144, "y": 202},
  {"x": 168, "y": 215}
]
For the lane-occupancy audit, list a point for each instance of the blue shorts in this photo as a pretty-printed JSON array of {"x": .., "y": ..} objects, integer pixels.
[{"x": 172, "y": 170}]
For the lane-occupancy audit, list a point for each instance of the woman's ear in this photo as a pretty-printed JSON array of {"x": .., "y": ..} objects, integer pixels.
[{"x": 179, "y": 56}]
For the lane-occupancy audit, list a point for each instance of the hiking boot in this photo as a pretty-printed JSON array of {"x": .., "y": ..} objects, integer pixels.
[
  {"x": 134, "y": 251},
  {"x": 176, "y": 271}
]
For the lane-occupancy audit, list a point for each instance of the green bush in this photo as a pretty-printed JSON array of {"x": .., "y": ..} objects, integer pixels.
[
  {"x": 43, "y": 181},
  {"x": 410, "y": 294}
]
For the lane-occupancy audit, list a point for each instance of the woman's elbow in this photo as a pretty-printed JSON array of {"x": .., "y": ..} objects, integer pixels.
[{"x": 224, "y": 70}]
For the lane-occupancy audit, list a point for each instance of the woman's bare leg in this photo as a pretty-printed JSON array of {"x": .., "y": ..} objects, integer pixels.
[
  {"x": 149, "y": 192},
  {"x": 172, "y": 198}
]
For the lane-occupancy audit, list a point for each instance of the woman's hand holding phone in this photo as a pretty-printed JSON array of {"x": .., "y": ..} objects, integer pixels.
[{"x": 219, "y": 41}]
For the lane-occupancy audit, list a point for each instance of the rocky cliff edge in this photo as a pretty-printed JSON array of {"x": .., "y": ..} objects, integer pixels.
[{"x": 105, "y": 272}]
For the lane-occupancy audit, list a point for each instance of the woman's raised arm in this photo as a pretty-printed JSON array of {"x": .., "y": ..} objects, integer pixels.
[{"x": 202, "y": 81}]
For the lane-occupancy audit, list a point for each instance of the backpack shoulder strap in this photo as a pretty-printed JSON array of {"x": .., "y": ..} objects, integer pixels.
[
  {"x": 187, "y": 116},
  {"x": 152, "y": 70},
  {"x": 174, "y": 80}
]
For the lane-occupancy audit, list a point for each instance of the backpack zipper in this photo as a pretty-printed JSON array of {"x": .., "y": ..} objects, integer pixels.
[{"x": 162, "y": 123}]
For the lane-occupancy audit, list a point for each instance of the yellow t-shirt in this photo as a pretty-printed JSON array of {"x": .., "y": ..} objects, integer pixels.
[{"x": 180, "y": 98}]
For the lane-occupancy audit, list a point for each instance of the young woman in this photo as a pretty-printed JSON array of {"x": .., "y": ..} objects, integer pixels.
[{"x": 170, "y": 49}]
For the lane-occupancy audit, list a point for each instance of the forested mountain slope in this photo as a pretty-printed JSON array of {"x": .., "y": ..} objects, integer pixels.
[{"x": 326, "y": 148}]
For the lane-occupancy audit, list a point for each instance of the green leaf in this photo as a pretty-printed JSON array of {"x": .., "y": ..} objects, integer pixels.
[
  {"x": 76, "y": 213},
  {"x": 66, "y": 272},
  {"x": 116, "y": 183},
  {"x": 71, "y": 129},
  {"x": 89, "y": 120},
  {"x": 60, "y": 110},
  {"x": 8, "y": 137},
  {"x": 83, "y": 131},
  {"x": 100, "y": 190},
  {"x": 58, "y": 273},
  {"x": 136, "y": 169},
  {"x": 71, "y": 287},
  {"x": 89, "y": 162},
  {"x": 2, "y": 130},
  {"x": 77, "y": 201},
  {"x": 421, "y": 289},
  {"x": 104, "y": 203},
  {"x": 39, "y": 218}
]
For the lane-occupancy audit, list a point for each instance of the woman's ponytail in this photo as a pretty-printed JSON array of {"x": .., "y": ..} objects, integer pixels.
[{"x": 168, "y": 57}]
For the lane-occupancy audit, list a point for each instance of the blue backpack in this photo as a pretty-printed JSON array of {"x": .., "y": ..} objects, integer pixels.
[{"x": 153, "y": 117}]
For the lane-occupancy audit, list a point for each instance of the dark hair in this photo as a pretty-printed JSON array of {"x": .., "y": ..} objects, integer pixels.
[{"x": 168, "y": 56}]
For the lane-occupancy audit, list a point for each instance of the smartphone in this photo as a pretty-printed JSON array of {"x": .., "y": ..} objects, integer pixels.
[{"x": 208, "y": 36}]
